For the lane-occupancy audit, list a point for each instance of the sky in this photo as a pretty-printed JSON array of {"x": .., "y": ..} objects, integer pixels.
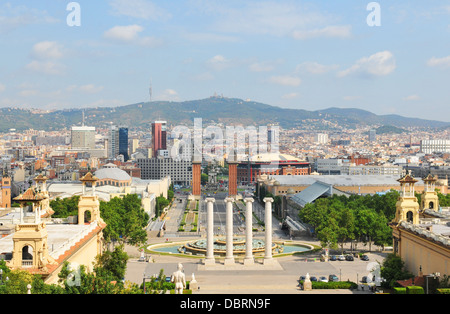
[{"x": 387, "y": 57}]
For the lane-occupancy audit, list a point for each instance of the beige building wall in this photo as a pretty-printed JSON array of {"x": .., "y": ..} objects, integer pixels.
[
  {"x": 420, "y": 253},
  {"x": 84, "y": 255}
]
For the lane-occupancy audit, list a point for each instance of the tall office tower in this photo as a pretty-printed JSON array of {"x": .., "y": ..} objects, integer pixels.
[
  {"x": 159, "y": 136},
  {"x": 83, "y": 137},
  {"x": 372, "y": 135},
  {"x": 113, "y": 142},
  {"x": 123, "y": 143},
  {"x": 118, "y": 142}
]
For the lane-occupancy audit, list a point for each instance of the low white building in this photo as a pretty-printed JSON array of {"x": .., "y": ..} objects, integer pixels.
[{"x": 116, "y": 183}]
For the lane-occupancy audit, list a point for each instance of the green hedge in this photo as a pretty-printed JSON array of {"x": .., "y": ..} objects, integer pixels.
[
  {"x": 443, "y": 291},
  {"x": 333, "y": 285},
  {"x": 399, "y": 290},
  {"x": 414, "y": 290}
]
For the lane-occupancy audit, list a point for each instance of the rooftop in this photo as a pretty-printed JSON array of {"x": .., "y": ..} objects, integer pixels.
[
  {"x": 340, "y": 180},
  {"x": 111, "y": 171},
  {"x": 59, "y": 235},
  {"x": 312, "y": 192}
]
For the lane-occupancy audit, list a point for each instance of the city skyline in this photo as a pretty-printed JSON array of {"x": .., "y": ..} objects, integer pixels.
[{"x": 273, "y": 52}]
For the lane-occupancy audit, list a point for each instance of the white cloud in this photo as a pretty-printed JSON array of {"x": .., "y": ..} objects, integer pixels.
[
  {"x": 315, "y": 68},
  {"x": 325, "y": 32},
  {"x": 85, "y": 89},
  {"x": 46, "y": 67},
  {"x": 124, "y": 33},
  {"x": 286, "y": 80},
  {"x": 262, "y": 66},
  {"x": 211, "y": 37},
  {"x": 47, "y": 50},
  {"x": 378, "y": 64},
  {"x": 412, "y": 98},
  {"x": 91, "y": 89},
  {"x": 218, "y": 63},
  {"x": 277, "y": 18},
  {"x": 142, "y": 9},
  {"x": 290, "y": 96},
  {"x": 168, "y": 95},
  {"x": 14, "y": 17},
  {"x": 434, "y": 62},
  {"x": 130, "y": 34}
]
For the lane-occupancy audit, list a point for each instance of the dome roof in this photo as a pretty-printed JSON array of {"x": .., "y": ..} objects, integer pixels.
[{"x": 110, "y": 171}]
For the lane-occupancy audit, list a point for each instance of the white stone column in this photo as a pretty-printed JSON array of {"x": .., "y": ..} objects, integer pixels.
[
  {"x": 229, "y": 258},
  {"x": 268, "y": 224},
  {"x": 209, "y": 260},
  {"x": 248, "y": 260}
]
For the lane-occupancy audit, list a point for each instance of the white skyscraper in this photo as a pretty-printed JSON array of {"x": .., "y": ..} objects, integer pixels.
[{"x": 83, "y": 137}]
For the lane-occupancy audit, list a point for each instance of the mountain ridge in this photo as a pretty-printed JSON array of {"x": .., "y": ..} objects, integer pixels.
[{"x": 213, "y": 109}]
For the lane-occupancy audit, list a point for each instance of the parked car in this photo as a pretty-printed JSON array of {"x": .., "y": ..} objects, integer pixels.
[
  {"x": 313, "y": 278},
  {"x": 364, "y": 257},
  {"x": 168, "y": 278},
  {"x": 302, "y": 278},
  {"x": 323, "y": 279},
  {"x": 341, "y": 258},
  {"x": 349, "y": 258},
  {"x": 333, "y": 258},
  {"x": 367, "y": 279},
  {"x": 333, "y": 278}
]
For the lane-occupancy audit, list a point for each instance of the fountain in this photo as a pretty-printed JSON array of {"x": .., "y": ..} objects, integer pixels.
[{"x": 198, "y": 247}]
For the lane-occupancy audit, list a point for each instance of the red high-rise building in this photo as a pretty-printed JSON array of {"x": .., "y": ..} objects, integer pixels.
[{"x": 159, "y": 137}]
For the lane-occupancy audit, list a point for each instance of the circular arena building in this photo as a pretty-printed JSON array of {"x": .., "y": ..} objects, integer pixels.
[{"x": 110, "y": 174}]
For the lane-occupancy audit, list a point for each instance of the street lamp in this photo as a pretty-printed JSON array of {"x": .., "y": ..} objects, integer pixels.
[{"x": 143, "y": 281}]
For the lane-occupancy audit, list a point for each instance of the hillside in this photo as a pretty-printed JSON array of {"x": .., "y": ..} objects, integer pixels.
[{"x": 229, "y": 111}]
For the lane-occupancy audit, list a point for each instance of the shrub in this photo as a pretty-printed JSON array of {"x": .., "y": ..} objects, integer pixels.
[
  {"x": 399, "y": 290},
  {"x": 333, "y": 285},
  {"x": 414, "y": 290},
  {"x": 443, "y": 291}
]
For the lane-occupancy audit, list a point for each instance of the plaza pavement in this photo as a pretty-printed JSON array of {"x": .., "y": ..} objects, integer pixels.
[{"x": 252, "y": 280}]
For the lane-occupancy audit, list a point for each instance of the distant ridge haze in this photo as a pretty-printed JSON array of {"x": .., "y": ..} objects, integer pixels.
[{"x": 229, "y": 111}]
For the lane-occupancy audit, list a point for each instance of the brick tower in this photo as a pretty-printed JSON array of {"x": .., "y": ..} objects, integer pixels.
[
  {"x": 5, "y": 196},
  {"x": 196, "y": 178}
]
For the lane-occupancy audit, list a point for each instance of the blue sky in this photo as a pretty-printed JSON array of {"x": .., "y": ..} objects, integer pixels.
[{"x": 293, "y": 54}]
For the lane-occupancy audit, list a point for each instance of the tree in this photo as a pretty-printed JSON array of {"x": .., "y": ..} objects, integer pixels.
[
  {"x": 113, "y": 264},
  {"x": 161, "y": 203},
  {"x": 125, "y": 219},
  {"x": 66, "y": 207},
  {"x": 204, "y": 178},
  {"x": 392, "y": 270},
  {"x": 338, "y": 219}
]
